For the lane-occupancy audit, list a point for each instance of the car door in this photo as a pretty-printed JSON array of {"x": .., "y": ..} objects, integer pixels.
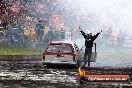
[{"x": 82, "y": 51}]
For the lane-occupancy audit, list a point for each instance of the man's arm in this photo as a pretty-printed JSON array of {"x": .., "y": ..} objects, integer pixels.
[
  {"x": 82, "y": 32},
  {"x": 95, "y": 36}
]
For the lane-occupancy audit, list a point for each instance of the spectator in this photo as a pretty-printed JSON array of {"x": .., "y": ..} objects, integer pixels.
[
  {"x": 5, "y": 23},
  {"x": 62, "y": 34},
  {"x": 33, "y": 34},
  {"x": 27, "y": 32},
  {"x": 49, "y": 36},
  {"x": 39, "y": 30}
]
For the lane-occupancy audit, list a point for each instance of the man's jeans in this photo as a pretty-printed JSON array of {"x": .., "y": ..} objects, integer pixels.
[{"x": 88, "y": 52}]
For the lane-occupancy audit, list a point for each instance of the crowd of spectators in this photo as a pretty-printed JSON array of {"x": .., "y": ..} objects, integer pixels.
[
  {"x": 36, "y": 20},
  {"x": 41, "y": 21}
]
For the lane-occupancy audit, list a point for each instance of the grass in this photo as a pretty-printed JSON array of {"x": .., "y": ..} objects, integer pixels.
[
  {"x": 103, "y": 52},
  {"x": 20, "y": 51}
]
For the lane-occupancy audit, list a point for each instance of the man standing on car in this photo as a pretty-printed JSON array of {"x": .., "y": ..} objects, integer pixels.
[{"x": 89, "y": 39}]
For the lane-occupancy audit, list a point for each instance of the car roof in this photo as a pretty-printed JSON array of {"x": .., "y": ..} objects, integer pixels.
[{"x": 61, "y": 42}]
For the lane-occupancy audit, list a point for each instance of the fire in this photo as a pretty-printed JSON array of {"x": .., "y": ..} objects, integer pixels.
[{"x": 81, "y": 71}]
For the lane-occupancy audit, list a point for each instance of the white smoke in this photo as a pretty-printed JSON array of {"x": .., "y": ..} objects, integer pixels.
[{"x": 115, "y": 13}]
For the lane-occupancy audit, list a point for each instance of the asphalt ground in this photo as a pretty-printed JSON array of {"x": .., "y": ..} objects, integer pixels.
[{"x": 38, "y": 76}]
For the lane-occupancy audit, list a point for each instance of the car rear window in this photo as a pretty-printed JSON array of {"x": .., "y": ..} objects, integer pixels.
[{"x": 59, "y": 48}]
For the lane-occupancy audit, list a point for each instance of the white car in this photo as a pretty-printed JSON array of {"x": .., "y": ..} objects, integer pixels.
[{"x": 61, "y": 52}]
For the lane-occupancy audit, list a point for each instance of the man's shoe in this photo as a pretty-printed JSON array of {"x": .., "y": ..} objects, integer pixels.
[{"x": 83, "y": 67}]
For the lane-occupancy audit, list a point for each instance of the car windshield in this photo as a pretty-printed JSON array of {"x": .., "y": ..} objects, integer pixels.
[{"x": 59, "y": 48}]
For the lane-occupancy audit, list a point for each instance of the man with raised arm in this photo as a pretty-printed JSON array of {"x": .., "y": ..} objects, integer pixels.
[{"x": 89, "y": 39}]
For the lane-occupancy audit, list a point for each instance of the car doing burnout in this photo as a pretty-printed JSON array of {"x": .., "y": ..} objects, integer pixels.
[{"x": 60, "y": 52}]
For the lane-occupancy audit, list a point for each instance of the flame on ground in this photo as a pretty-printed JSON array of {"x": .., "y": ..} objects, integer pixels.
[{"x": 81, "y": 71}]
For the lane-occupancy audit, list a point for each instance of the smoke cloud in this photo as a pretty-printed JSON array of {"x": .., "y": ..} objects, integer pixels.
[{"x": 115, "y": 13}]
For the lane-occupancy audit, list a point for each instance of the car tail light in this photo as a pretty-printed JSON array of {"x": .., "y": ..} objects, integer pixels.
[
  {"x": 74, "y": 58},
  {"x": 43, "y": 57}
]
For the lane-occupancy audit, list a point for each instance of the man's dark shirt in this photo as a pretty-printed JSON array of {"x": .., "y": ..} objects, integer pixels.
[{"x": 89, "y": 41}]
